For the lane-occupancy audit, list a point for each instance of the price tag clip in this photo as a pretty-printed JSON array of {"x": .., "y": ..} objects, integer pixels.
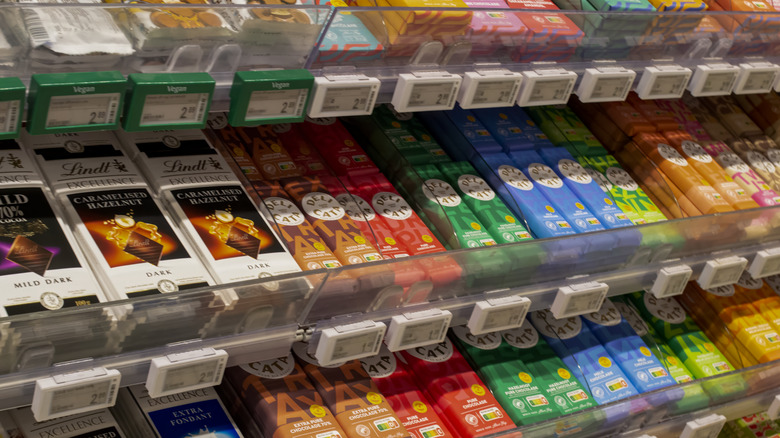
[
  {"x": 707, "y": 427},
  {"x": 546, "y": 87},
  {"x": 75, "y": 393},
  {"x": 498, "y": 314},
  {"x": 766, "y": 263},
  {"x": 417, "y": 329},
  {"x": 721, "y": 272},
  {"x": 270, "y": 96},
  {"x": 605, "y": 84},
  {"x": 579, "y": 299},
  {"x": 187, "y": 371},
  {"x": 756, "y": 77},
  {"x": 168, "y": 101},
  {"x": 663, "y": 82},
  {"x": 715, "y": 79},
  {"x": 426, "y": 91},
  {"x": 343, "y": 95},
  {"x": 347, "y": 342},
  {"x": 489, "y": 88},
  {"x": 774, "y": 409},
  {"x": 671, "y": 281}
]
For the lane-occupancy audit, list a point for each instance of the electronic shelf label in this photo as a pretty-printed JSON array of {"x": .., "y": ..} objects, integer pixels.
[
  {"x": 715, "y": 79},
  {"x": 75, "y": 393},
  {"x": 766, "y": 263},
  {"x": 774, "y": 409},
  {"x": 157, "y": 101},
  {"x": 498, "y": 314},
  {"x": 351, "y": 341},
  {"x": 579, "y": 299},
  {"x": 756, "y": 77},
  {"x": 426, "y": 91},
  {"x": 706, "y": 427},
  {"x": 546, "y": 87},
  {"x": 671, "y": 281},
  {"x": 489, "y": 88},
  {"x": 188, "y": 371},
  {"x": 343, "y": 95},
  {"x": 663, "y": 82},
  {"x": 67, "y": 102},
  {"x": 721, "y": 272},
  {"x": 605, "y": 84},
  {"x": 417, "y": 329},
  {"x": 264, "y": 97},
  {"x": 12, "y": 93}
]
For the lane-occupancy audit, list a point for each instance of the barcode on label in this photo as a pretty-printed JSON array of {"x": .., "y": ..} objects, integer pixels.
[
  {"x": 301, "y": 101},
  {"x": 35, "y": 27},
  {"x": 202, "y": 102},
  {"x": 13, "y": 117},
  {"x": 112, "y": 107}
]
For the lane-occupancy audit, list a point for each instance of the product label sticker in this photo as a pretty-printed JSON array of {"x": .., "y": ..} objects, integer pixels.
[
  {"x": 391, "y": 206},
  {"x": 665, "y": 309},
  {"x": 487, "y": 341},
  {"x": 382, "y": 365},
  {"x": 695, "y": 151},
  {"x": 356, "y": 207},
  {"x": 774, "y": 282},
  {"x": 440, "y": 352},
  {"x": 607, "y": 315},
  {"x": 748, "y": 282},
  {"x": 284, "y": 211},
  {"x": 272, "y": 368},
  {"x": 514, "y": 177},
  {"x": 205, "y": 416},
  {"x": 544, "y": 175},
  {"x": 732, "y": 163},
  {"x": 523, "y": 337},
  {"x": 633, "y": 319},
  {"x": 441, "y": 192},
  {"x": 669, "y": 153},
  {"x": 760, "y": 162},
  {"x": 476, "y": 187},
  {"x": 322, "y": 206},
  {"x": 722, "y": 291},
  {"x": 227, "y": 222},
  {"x": 573, "y": 171},
  {"x": 622, "y": 179},
  {"x": 600, "y": 179},
  {"x": 564, "y": 328},
  {"x": 774, "y": 156}
]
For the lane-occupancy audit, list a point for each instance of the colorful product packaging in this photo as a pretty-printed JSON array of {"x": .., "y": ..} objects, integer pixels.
[
  {"x": 505, "y": 129},
  {"x": 464, "y": 402},
  {"x": 282, "y": 400},
  {"x": 742, "y": 174},
  {"x": 90, "y": 424},
  {"x": 633, "y": 356},
  {"x": 337, "y": 146},
  {"x": 263, "y": 147},
  {"x": 410, "y": 404},
  {"x": 584, "y": 355},
  {"x": 303, "y": 154},
  {"x": 348, "y": 40},
  {"x": 661, "y": 118},
  {"x": 352, "y": 397}
]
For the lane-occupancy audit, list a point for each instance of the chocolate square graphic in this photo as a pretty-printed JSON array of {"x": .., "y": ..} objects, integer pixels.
[
  {"x": 29, "y": 255},
  {"x": 244, "y": 242},
  {"x": 144, "y": 248}
]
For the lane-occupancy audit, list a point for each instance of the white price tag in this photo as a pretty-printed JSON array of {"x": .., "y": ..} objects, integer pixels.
[
  {"x": 9, "y": 115},
  {"x": 546, "y": 87},
  {"x": 707, "y": 427},
  {"x": 579, "y": 299},
  {"x": 489, "y": 89},
  {"x": 347, "y": 342},
  {"x": 75, "y": 393},
  {"x": 426, "y": 91},
  {"x": 345, "y": 95},
  {"x": 774, "y": 409},
  {"x": 169, "y": 109},
  {"x": 498, "y": 314},
  {"x": 766, "y": 263},
  {"x": 269, "y": 104},
  {"x": 671, "y": 281},
  {"x": 714, "y": 79},
  {"x": 88, "y": 109},
  {"x": 756, "y": 77},
  {"x": 417, "y": 329},
  {"x": 663, "y": 82},
  {"x": 188, "y": 371},
  {"x": 721, "y": 272},
  {"x": 605, "y": 84}
]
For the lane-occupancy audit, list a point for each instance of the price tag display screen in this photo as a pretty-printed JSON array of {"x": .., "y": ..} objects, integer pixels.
[
  {"x": 610, "y": 87},
  {"x": 191, "y": 375},
  {"x": 348, "y": 98},
  {"x": 423, "y": 331},
  {"x": 81, "y": 396},
  {"x": 90, "y": 109},
  {"x": 167, "y": 109},
  {"x": 668, "y": 85},
  {"x": 357, "y": 345},
  {"x": 550, "y": 89},
  {"x": 9, "y": 115},
  {"x": 494, "y": 92},
  {"x": 719, "y": 82},
  {"x": 431, "y": 94},
  {"x": 277, "y": 103},
  {"x": 760, "y": 80},
  {"x": 501, "y": 318}
]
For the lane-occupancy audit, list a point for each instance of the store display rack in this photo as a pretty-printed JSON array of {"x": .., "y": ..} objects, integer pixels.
[{"x": 261, "y": 319}]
